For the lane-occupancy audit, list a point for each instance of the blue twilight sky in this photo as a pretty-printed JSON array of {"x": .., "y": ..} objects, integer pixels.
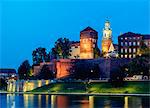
[{"x": 28, "y": 24}]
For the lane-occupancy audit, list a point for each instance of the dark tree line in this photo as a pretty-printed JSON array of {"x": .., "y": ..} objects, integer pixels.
[{"x": 40, "y": 55}]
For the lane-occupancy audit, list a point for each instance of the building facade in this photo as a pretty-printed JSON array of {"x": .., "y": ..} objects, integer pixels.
[
  {"x": 88, "y": 41},
  {"x": 146, "y": 39},
  {"x": 8, "y": 73},
  {"x": 74, "y": 50},
  {"x": 129, "y": 44}
]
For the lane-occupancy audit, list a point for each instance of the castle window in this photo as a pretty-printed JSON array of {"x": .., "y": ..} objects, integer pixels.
[
  {"x": 121, "y": 56},
  {"x": 134, "y": 43},
  {"x": 138, "y": 43},
  {"x": 93, "y": 45},
  {"x": 121, "y": 50},
  {"x": 129, "y": 50},
  {"x": 133, "y": 55},
  {"x": 126, "y": 44},
  {"x": 126, "y": 50},
  {"x": 126, "y": 56},
  {"x": 130, "y": 43},
  {"x": 121, "y": 43},
  {"x": 130, "y": 56},
  {"x": 126, "y": 38},
  {"x": 134, "y": 50}
]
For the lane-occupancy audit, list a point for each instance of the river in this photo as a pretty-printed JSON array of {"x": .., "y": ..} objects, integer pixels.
[{"x": 71, "y": 101}]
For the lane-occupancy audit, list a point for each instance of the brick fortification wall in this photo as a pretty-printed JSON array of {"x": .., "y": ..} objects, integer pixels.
[{"x": 105, "y": 65}]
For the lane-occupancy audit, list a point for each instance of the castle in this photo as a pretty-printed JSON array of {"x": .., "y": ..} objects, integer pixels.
[{"x": 85, "y": 49}]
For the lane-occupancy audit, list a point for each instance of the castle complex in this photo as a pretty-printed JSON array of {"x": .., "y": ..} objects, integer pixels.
[{"x": 85, "y": 49}]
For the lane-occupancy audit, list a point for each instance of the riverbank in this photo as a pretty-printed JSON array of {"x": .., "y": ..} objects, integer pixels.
[
  {"x": 100, "y": 87},
  {"x": 84, "y": 94}
]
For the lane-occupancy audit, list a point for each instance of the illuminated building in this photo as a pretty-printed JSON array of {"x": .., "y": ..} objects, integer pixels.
[
  {"x": 108, "y": 48},
  {"x": 129, "y": 43},
  {"x": 8, "y": 73},
  {"x": 74, "y": 50},
  {"x": 88, "y": 41}
]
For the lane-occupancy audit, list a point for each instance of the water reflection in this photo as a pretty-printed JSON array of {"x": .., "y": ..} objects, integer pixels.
[{"x": 71, "y": 101}]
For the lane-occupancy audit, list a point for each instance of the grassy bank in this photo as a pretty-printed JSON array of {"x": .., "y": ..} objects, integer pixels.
[{"x": 101, "y": 87}]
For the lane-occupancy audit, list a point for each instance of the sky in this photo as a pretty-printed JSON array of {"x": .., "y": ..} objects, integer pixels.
[{"x": 29, "y": 24}]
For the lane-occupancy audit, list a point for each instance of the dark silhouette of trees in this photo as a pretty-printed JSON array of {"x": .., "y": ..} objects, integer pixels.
[
  {"x": 40, "y": 55},
  {"x": 61, "y": 48},
  {"x": 85, "y": 70},
  {"x": 139, "y": 66},
  {"x": 3, "y": 84},
  {"x": 45, "y": 73},
  {"x": 24, "y": 70}
]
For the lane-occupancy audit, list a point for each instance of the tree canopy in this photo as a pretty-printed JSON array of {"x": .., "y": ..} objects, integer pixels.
[
  {"x": 24, "y": 70},
  {"x": 61, "y": 48},
  {"x": 40, "y": 55}
]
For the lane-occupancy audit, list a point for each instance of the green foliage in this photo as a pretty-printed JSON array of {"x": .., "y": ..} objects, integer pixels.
[
  {"x": 139, "y": 66},
  {"x": 100, "y": 87},
  {"x": 3, "y": 84},
  {"x": 61, "y": 48},
  {"x": 40, "y": 55},
  {"x": 96, "y": 52},
  {"x": 24, "y": 70}
]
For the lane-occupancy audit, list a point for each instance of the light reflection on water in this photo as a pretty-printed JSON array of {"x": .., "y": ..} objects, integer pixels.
[{"x": 71, "y": 101}]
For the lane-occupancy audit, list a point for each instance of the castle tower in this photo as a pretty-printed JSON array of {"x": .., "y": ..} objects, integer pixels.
[
  {"x": 88, "y": 41},
  {"x": 107, "y": 38}
]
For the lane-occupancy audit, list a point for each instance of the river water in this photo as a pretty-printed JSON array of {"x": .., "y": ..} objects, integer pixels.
[{"x": 71, "y": 101}]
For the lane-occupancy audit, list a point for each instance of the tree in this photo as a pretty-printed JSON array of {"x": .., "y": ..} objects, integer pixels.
[
  {"x": 61, "y": 48},
  {"x": 116, "y": 77},
  {"x": 3, "y": 84},
  {"x": 139, "y": 66},
  {"x": 40, "y": 55},
  {"x": 46, "y": 73},
  {"x": 143, "y": 50},
  {"x": 96, "y": 52},
  {"x": 24, "y": 70}
]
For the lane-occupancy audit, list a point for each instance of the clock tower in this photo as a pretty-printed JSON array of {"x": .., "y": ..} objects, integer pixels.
[{"x": 107, "y": 38}]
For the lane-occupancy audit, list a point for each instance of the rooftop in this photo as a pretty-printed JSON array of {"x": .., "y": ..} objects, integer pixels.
[{"x": 89, "y": 29}]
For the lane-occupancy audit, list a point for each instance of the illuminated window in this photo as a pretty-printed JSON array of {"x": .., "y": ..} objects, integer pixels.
[
  {"x": 134, "y": 50},
  {"x": 121, "y": 43},
  {"x": 93, "y": 45},
  {"x": 130, "y": 43},
  {"x": 126, "y": 50},
  {"x": 121, "y": 50},
  {"x": 126, "y": 38},
  {"x": 134, "y": 43},
  {"x": 126, "y": 56},
  {"x": 121, "y": 56},
  {"x": 133, "y": 55},
  {"x": 129, "y": 50},
  {"x": 126, "y": 44},
  {"x": 138, "y": 43},
  {"x": 130, "y": 56}
]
